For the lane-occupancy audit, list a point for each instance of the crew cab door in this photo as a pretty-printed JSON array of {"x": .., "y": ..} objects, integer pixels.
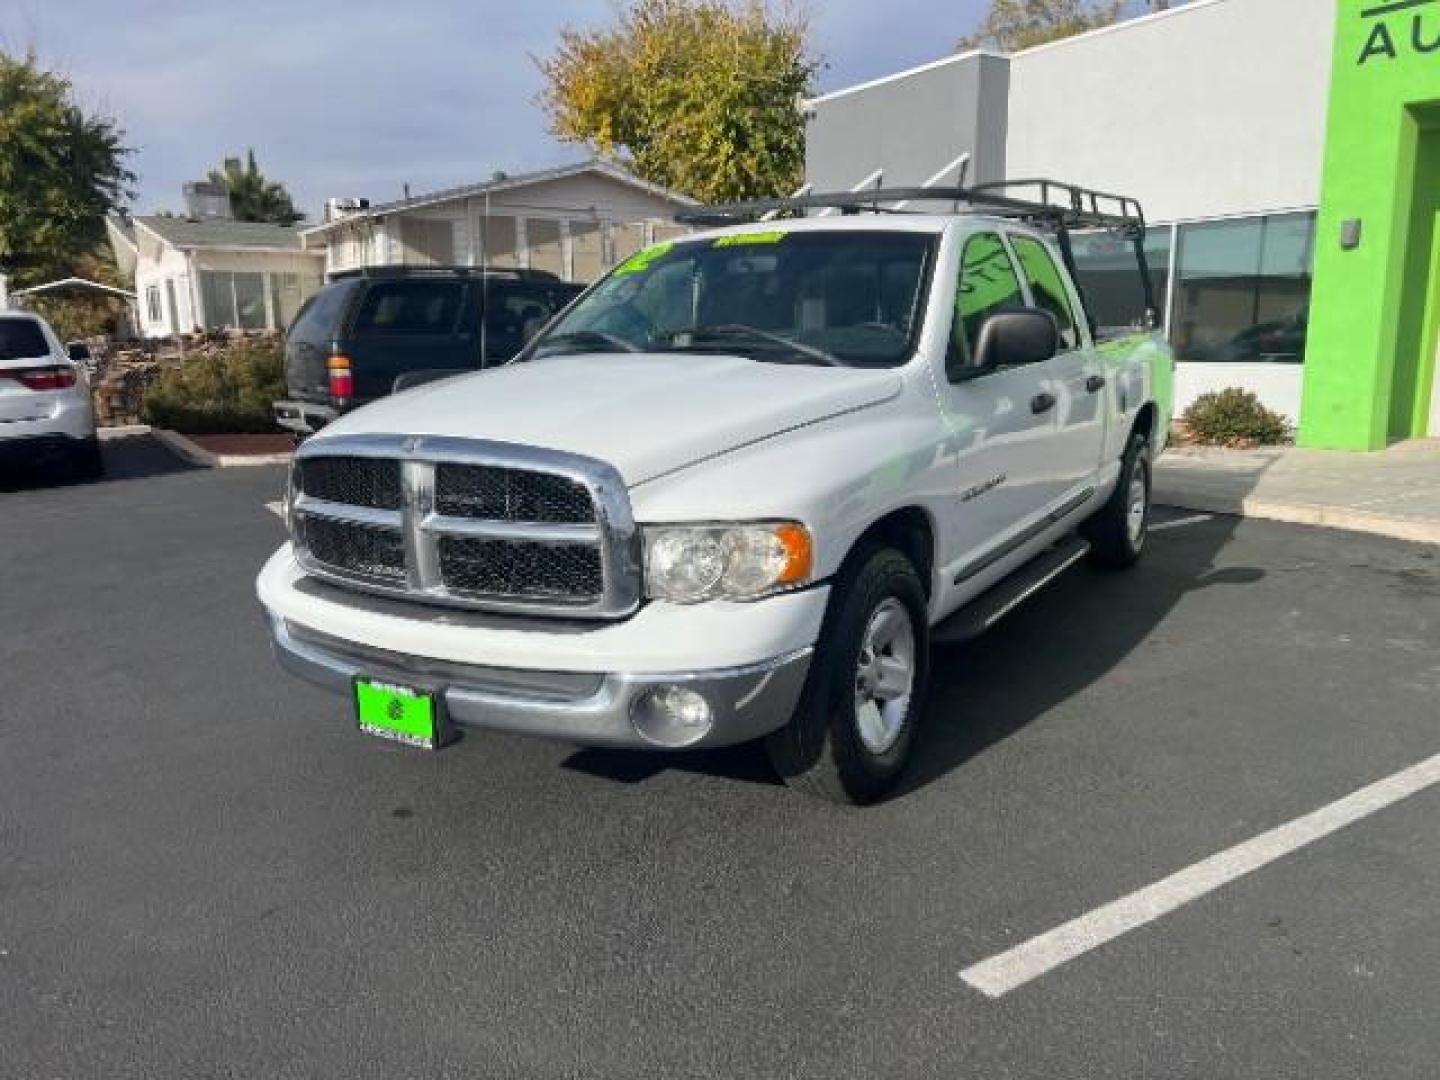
[
  {"x": 1077, "y": 377},
  {"x": 1000, "y": 423}
]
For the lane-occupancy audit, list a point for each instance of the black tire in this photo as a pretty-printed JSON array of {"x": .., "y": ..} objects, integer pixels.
[
  {"x": 86, "y": 462},
  {"x": 1115, "y": 541},
  {"x": 821, "y": 750}
]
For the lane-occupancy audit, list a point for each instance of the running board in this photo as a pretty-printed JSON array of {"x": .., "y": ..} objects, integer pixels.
[{"x": 1010, "y": 592}]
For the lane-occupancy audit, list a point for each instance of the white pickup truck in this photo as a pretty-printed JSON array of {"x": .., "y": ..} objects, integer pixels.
[{"x": 735, "y": 490}]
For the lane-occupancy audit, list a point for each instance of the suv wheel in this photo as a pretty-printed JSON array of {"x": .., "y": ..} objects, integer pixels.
[
  {"x": 1118, "y": 530},
  {"x": 851, "y": 735}
]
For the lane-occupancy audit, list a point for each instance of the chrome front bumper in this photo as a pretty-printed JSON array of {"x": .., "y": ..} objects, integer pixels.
[{"x": 591, "y": 709}]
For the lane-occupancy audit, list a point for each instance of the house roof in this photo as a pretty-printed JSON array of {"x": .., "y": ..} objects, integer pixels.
[
  {"x": 221, "y": 233},
  {"x": 506, "y": 183}
]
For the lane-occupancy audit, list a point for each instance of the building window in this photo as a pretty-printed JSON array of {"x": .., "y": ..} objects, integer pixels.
[
  {"x": 547, "y": 251},
  {"x": 427, "y": 241},
  {"x": 234, "y": 300},
  {"x": 500, "y": 240},
  {"x": 587, "y": 246},
  {"x": 1243, "y": 289},
  {"x": 152, "y": 305}
]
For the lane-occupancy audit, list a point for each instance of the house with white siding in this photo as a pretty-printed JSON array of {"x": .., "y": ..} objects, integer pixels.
[
  {"x": 207, "y": 271},
  {"x": 575, "y": 221}
]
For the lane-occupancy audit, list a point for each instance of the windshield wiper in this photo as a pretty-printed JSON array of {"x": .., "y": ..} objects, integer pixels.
[
  {"x": 586, "y": 339},
  {"x": 754, "y": 333}
]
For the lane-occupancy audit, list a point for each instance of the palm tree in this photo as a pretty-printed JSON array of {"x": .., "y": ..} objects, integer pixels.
[{"x": 252, "y": 196}]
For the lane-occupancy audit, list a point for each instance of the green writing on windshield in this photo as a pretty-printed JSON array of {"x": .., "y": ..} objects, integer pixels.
[
  {"x": 641, "y": 260},
  {"x": 743, "y": 239}
]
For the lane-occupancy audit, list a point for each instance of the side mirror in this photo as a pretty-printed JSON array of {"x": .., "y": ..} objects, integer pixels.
[{"x": 1015, "y": 336}]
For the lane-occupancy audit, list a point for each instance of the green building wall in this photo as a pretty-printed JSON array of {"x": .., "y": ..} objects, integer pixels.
[{"x": 1369, "y": 359}]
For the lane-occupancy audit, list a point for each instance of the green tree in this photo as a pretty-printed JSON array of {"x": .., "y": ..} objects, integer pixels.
[
  {"x": 61, "y": 171},
  {"x": 701, "y": 96},
  {"x": 253, "y": 196},
  {"x": 1011, "y": 25}
]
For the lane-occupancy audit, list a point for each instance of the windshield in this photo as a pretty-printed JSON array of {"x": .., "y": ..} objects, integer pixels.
[{"x": 851, "y": 299}]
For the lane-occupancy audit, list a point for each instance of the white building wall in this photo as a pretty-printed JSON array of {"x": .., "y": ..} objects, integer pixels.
[
  {"x": 156, "y": 265},
  {"x": 1210, "y": 109},
  {"x": 1214, "y": 109}
]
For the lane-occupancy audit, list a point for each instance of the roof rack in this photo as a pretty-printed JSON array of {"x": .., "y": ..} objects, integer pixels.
[
  {"x": 518, "y": 273},
  {"x": 1053, "y": 203}
]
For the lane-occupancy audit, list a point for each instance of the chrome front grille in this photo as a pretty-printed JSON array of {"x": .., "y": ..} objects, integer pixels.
[
  {"x": 468, "y": 523},
  {"x": 482, "y": 491},
  {"x": 366, "y": 550}
]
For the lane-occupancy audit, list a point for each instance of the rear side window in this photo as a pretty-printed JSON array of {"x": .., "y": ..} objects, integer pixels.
[
  {"x": 988, "y": 283},
  {"x": 1047, "y": 286},
  {"x": 409, "y": 307},
  {"x": 22, "y": 339},
  {"x": 516, "y": 313},
  {"x": 319, "y": 317}
]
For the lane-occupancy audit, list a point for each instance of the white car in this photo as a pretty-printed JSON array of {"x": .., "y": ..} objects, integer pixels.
[
  {"x": 46, "y": 413},
  {"x": 733, "y": 492}
]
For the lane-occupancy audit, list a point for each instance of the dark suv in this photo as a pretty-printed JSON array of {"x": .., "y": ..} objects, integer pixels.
[{"x": 370, "y": 332}]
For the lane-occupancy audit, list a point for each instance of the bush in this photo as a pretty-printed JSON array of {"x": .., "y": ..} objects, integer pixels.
[
  {"x": 220, "y": 393},
  {"x": 1233, "y": 418}
]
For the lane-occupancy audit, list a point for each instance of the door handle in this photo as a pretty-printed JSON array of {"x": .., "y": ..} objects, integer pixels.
[
  {"x": 1042, "y": 403},
  {"x": 1094, "y": 383}
]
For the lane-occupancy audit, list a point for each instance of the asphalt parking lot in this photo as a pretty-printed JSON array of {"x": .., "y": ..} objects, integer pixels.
[{"x": 206, "y": 871}]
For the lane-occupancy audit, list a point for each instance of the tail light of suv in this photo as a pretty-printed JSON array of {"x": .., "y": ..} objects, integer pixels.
[
  {"x": 57, "y": 377},
  {"x": 342, "y": 379}
]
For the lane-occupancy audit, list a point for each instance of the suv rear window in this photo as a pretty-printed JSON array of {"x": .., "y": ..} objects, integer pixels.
[
  {"x": 319, "y": 318},
  {"x": 22, "y": 339},
  {"x": 409, "y": 307}
]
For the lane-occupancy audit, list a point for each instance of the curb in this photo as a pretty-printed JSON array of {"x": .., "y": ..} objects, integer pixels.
[
  {"x": 196, "y": 454},
  {"x": 121, "y": 431},
  {"x": 1416, "y": 530}
]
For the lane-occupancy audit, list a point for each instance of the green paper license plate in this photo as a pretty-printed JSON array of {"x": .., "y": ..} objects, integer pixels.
[{"x": 399, "y": 713}]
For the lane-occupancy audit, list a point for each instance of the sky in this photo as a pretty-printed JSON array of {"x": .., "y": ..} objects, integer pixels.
[{"x": 360, "y": 97}]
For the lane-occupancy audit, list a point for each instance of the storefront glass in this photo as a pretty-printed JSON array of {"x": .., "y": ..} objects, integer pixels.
[{"x": 1242, "y": 292}]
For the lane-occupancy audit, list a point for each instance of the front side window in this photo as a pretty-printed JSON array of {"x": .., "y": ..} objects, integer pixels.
[
  {"x": 1047, "y": 286},
  {"x": 988, "y": 283},
  {"x": 409, "y": 307},
  {"x": 847, "y": 298}
]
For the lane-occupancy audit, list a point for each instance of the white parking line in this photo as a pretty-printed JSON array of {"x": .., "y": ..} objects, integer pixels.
[
  {"x": 1180, "y": 523},
  {"x": 1015, "y": 967},
  {"x": 276, "y": 508}
]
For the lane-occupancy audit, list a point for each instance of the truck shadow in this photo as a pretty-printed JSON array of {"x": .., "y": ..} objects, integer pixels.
[{"x": 1070, "y": 635}]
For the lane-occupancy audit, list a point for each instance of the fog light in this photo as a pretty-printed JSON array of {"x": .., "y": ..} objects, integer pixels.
[{"x": 672, "y": 716}]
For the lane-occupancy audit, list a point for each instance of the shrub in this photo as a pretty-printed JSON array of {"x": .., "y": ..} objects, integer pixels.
[
  {"x": 1234, "y": 418},
  {"x": 225, "y": 392}
]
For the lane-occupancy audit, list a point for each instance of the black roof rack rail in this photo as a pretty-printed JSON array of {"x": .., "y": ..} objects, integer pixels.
[
  {"x": 1051, "y": 204},
  {"x": 396, "y": 271},
  {"x": 1054, "y": 203}
]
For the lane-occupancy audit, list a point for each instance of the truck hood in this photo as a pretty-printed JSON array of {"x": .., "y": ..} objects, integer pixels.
[{"x": 645, "y": 413}]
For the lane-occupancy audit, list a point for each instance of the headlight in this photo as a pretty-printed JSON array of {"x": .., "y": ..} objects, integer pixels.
[{"x": 686, "y": 564}]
